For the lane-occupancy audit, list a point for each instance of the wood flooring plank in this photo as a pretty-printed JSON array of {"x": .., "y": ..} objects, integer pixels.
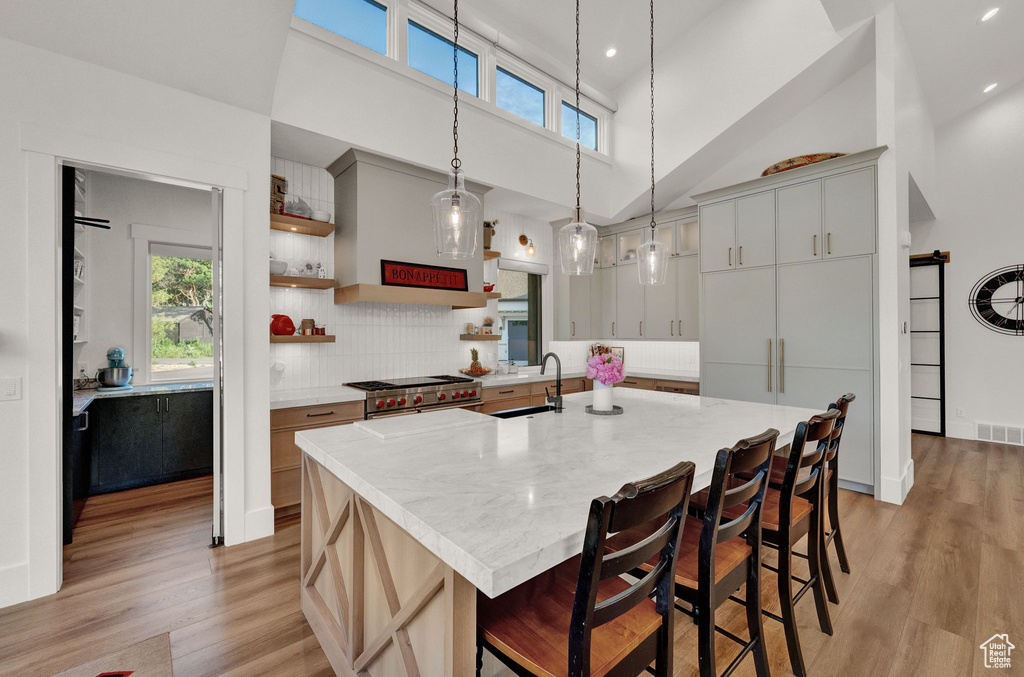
[
  {"x": 1000, "y": 602},
  {"x": 927, "y": 650}
]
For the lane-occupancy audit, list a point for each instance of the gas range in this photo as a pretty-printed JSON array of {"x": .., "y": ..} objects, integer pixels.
[{"x": 413, "y": 395}]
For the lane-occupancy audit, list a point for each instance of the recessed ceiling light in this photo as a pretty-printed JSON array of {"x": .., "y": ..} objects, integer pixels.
[
  {"x": 990, "y": 87},
  {"x": 611, "y": 52},
  {"x": 989, "y": 14}
]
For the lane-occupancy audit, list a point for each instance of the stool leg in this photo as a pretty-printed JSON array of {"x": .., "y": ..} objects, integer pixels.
[
  {"x": 479, "y": 657},
  {"x": 814, "y": 560},
  {"x": 826, "y": 566},
  {"x": 833, "y": 521},
  {"x": 706, "y": 635},
  {"x": 754, "y": 621},
  {"x": 796, "y": 658}
]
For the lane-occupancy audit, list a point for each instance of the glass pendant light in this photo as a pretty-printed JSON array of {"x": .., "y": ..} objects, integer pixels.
[
  {"x": 577, "y": 240},
  {"x": 456, "y": 211},
  {"x": 652, "y": 255}
]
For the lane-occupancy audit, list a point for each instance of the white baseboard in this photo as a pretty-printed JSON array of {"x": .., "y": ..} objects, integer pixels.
[
  {"x": 259, "y": 523},
  {"x": 895, "y": 489},
  {"x": 963, "y": 430},
  {"x": 13, "y": 584}
]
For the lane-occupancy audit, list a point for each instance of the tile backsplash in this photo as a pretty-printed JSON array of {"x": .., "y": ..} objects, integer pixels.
[
  {"x": 315, "y": 185},
  {"x": 681, "y": 357}
]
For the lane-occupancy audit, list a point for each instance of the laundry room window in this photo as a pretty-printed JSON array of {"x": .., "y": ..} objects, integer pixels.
[
  {"x": 362, "y": 21},
  {"x": 181, "y": 314},
  {"x": 519, "y": 314}
]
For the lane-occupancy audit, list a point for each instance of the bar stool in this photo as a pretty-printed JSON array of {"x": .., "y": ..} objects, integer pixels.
[
  {"x": 831, "y": 488},
  {"x": 580, "y": 618},
  {"x": 716, "y": 557}
]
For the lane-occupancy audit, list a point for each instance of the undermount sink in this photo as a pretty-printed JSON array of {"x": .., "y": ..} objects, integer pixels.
[{"x": 523, "y": 411}]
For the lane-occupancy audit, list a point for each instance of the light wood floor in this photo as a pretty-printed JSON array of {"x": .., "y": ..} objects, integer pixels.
[{"x": 931, "y": 580}]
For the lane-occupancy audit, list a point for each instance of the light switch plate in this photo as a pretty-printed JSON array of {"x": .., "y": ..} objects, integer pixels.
[{"x": 10, "y": 388}]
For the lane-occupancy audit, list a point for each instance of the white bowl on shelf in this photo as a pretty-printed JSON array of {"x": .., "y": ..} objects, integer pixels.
[
  {"x": 278, "y": 267},
  {"x": 321, "y": 216}
]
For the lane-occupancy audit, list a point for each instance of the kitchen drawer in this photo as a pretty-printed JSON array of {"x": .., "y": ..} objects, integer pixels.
[
  {"x": 635, "y": 382},
  {"x": 286, "y": 487},
  {"x": 319, "y": 415},
  {"x": 284, "y": 453},
  {"x": 506, "y": 392},
  {"x": 508, "y": 403},
  {"x": 569, "y": 386},
  {"x": 684, "y": 387}
]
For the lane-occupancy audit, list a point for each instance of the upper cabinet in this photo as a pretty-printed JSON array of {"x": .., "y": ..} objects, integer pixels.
[
  {"x": 755, "y": 230},
  {"x": 718, "y": 236},
  {"x": 687, "y": 234},
  {"x": 629, "y": 244},
  {"x": 849, "y": 214},
  {"x": 605, "y": 252},
  {"x": 827, "y": 218}
]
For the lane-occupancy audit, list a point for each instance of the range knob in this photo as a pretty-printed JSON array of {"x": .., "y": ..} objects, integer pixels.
[
  {"x": 442, "y": 396},
  {"x": 417, "y": 399},
  {"x": 391, "y": 403},
  {"x": 402, "y": 401},
  {"x": 473, "y": 393},
  {"x": 455, "y": 395},
  {"x": 465, "y": 393},
  {"x": 380, "y": 404}
]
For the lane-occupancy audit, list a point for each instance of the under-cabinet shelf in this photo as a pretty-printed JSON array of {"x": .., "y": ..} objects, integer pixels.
[
  {"x": 293, "y": 224},
  {"x": 297, "y": 282},
  {"x": 316, "y": 338},
  {"x": 479, "y": 337},
  {"x": 491, "y": 254}
]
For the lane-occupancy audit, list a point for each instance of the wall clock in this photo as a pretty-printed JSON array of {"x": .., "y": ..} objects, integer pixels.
[{"x": 997, "y": 301}]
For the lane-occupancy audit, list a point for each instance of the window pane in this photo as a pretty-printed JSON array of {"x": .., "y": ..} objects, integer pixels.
[
  {"x": 181, "y": 319},
  {"x": 588, "y": 126},
  {"x": 519, "y": 317},
  {"x": 520, "y": 97},
  {"x": 362, "y": 21},
  {"x": 431, "y": 54}
]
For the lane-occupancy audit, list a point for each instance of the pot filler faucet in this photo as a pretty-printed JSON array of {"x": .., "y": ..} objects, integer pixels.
[{"x": 557, "y": 399}]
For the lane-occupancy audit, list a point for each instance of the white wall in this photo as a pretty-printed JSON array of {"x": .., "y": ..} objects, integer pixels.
[
  {"x": 62, "y": 103},
  {"x": 109, "y": 289},
  {"x": 978, "y": 204}
]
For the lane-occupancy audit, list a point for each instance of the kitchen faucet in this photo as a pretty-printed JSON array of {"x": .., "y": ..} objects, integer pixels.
[{"x": 557, "y": 399}]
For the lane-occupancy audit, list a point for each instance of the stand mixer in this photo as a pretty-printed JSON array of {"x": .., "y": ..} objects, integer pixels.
[{"x": 116, "y": 376}]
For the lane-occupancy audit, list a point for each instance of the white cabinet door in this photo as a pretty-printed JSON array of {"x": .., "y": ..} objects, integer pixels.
[
  {"x": 825, "y": 318},
  {"x": 799, "y": 223},
  {"x": 579, "y": 306},
  {"x": 606, "y": 301},
  {"x": 629, "y": 303},
  {"x": 755, "y": 230},
  {"x": 596, "y": 321},
  {"x": 628, "y": 243},
  {"x": 718, "y": 236},
  {"x": 606, "y": 251},
  {"x": 850, "y": 213},
  {"x": 739, "y": 335},
  {"x": 687, "y": 236},
  {"x": 660, "y": 305},
  {"x": 687, "y": 298}
]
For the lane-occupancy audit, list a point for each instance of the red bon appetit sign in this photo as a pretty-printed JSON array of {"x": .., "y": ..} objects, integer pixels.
[{"x": 398, "y": 274}]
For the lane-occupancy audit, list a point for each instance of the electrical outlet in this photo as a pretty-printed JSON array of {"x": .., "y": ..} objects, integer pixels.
[
  {"x": 961, "y": 412},
  {"x": 10, "y": 388},
  {"x": 83, "y": 366}
]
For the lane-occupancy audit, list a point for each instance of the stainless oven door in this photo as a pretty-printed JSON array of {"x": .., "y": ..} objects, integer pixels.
[{"x": 436, "y": 407}]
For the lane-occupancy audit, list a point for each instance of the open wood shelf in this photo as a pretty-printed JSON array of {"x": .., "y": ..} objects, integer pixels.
[
  {"x": 479, "y": 337},
  {"x": 291, "y": 224},
  {"x": 381, "y": 293},
  {"x": 300, "y": 282},
  {"x": 491, "y": 254},
  {"x": 301, "y": 339}
]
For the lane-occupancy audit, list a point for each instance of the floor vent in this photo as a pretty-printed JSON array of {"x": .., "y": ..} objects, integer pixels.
[{"x": 1002, "y": 434}]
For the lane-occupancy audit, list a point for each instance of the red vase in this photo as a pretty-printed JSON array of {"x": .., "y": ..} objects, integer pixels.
[{"x": 281, "y": 325}]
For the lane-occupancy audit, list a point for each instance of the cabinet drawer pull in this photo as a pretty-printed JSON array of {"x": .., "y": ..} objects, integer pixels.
[
  {"x": 158, "y": 405},
  {"x": 573, "y": 328},
  {"x": 769, "y": 365},
  {"x": 741, "y": 255},
  {"x": 730, "y": 257},
  {"x": 671, "y": 327},
  {"x": 167, "y": 404},
  {"x": 86, "y": 426},
  {"x": 641, "y": 327},
  {"x": 613, "y": 328},
  {"x": 828, "y": 243},
  {"x": 782, "y": 365},
  {"x": 814, "y": 245},
  {"x": 322, "y": 413},
  {"x": 506, "y": 392}
]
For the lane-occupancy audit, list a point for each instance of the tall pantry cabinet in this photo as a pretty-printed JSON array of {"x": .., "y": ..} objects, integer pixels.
[{"x": 789, "y": 301}]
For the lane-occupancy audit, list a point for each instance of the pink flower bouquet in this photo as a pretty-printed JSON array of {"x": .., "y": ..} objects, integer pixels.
[{"x": 605, "y": 369}]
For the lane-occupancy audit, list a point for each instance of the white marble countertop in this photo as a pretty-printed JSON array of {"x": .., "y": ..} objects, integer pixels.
[
  {"x": 500, "y": 503},
  {"x": 83, "y": 398},
  {"x": 301, "y": 397},
  {"x": 493, "y": 380}
]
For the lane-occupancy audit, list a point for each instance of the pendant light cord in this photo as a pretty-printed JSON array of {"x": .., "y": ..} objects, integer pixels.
[
  {"x": 456, "y": 162},
  {"x": 653, "y": 226},
  {"x": 577, "y": 104}
]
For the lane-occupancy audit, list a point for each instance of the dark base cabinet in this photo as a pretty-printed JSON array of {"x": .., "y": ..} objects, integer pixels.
[
  {"x": 150, "y": 439},
  {"x": 77, "y": 464}
]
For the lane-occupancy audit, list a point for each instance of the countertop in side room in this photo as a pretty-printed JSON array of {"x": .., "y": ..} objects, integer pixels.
[
  {"x": 506, "y": 499},
  {"x": 83, "y": 398}
]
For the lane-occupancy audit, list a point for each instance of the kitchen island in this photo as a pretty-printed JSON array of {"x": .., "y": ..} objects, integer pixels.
[{"x": 400, "y": 533}]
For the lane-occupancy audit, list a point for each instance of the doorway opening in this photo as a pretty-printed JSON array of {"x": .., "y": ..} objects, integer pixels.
[{"x": 141, "y": 370}]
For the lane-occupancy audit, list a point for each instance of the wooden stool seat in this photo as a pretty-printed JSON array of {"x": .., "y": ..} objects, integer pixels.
[
  {"x": 728, "y": 555},
  {"x": 770, "y": 509},
  {"x": 530, "y": 623}
]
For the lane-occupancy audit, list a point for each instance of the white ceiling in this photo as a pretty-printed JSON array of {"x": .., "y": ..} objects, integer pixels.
[
  {"x": 227, "y": 50},
  {"x": 957, "y": 57},
  {"x": 529, "y": 28}
]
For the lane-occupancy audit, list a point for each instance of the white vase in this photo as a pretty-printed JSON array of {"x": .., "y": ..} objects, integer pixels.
[{"x": 602, "y": 397}]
